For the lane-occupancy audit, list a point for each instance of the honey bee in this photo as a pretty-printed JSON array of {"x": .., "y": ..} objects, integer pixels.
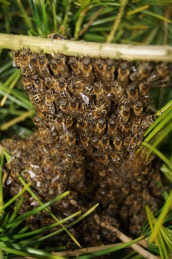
[
  {"x": 136, "y": 206},
  {"x": 48, "y": 117},
  {"x": 148, "y": 121},
  {"x": 75, "y": 65},
  {"x": 54, "y": 67},
  {"x": 17, "y": 62},
  {"x": 126, "y": 142},
  {"x": 123, "y": 72},
  {"x": 45, "y": 136},
  {"x": 135, "y": 142},
  {"x": 40, "y": 86},
  {"x": 101, "y": 125},
  {"x": 71, "y": 139},
  {"x": 132, "y": 93},
  {"x": 64, "y": 105},
  {"x": 135, "y": 185},
  {"x": 99, "y": 112},
  {"x": 62, "y": 84},
  {"x": 98, "y": 65},
  {"x": 144, "y": 70},
  {"x": 73, "y": 103},
  {"x": 112, "y": 127},
  {"x": 60, "y": 118},
  {"x": 126, "y": 188},
  {"x": 125, "y": 128},
  {"x": 34, "y": 61},
  {"x": 125, "y": 114},
  {"x": 86, "y": 68},
  {"x": 82, "y": 124},
  {"x": 134, "y": 76},
  {"x": 138, "y": 108},
  {"x": 144, "y": 88},
  {"x": 84, "y": 139},
  {"x": 117, "y": 142},
  {"x": 162, "y": 69},
  {"x": 38, "y": 98},
  {"x": 124, "y": 212},
  {"x": 135, "y": 126},
  {"x": 109, "y": 74},
  {"x": 88, "y": 89},
  {"x": 49, "y": 98},
  {"x": 43, "y": 65},
  {"x": 25, "y": 57},
  {"x": 62, "y": 67}
]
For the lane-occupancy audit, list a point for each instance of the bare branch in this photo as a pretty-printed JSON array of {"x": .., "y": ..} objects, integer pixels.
[{"x": 78, "y": 48}]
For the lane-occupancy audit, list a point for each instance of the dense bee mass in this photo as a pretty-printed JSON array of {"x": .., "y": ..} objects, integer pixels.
[{"x": 91, "y": 115}]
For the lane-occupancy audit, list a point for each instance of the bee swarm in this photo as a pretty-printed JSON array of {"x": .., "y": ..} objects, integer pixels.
[{"x": 91, "y": 114}]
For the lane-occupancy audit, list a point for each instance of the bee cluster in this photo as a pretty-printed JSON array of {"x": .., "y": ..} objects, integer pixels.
[{"x": 91, "y": 114}]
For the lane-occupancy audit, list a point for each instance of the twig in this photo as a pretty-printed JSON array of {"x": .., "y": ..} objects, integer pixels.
[
  {"x": 140, "y": 250},
  {"x": 91, "y": 21},
  {"x": 91, "y": 49},
  {"x": 117, "y": 21}
]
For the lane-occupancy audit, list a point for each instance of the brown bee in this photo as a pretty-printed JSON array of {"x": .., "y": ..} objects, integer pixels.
[
  {"x": 88, "y": 89},
  {"x": 99, "y": 65},
  {"x": 101, "y": 125},
  {"x": 62, "y": 85},
  {"x": 132, "y": 93},
  {"x": 60, "y": 118},
  {"x": 73, "y": 103},
  {"x": 126, "y": 142},
  {"x": 124, "y": 212},
  {"x": 112, "y": 127},
  {"x": 144, "y": 70},
  {"x": 138, "y": 108},
  {"x": 135, "y": 142},
  {"x": 38, "y": 98},
  {"x": 136, "y": 123},
  {"x": 135, "y": 185},
  {"x": 84, "y": 139},
  {"x": 125, "y": 128},
  {"x": 86, "y": 68},
  {"x": 148, "y": 121},
  {"x": 71, "y": 139},
  {"x": 75, "y": 65},
  {"x": 49, "y": 102},
  {"x": 124, "y": 114},
  {"x": 162, "y": 69},
  {"x": 125, "y": 188},
  {"x": 144, "y": 88},
  {"x": 54, "y": 67},
  {"x": 82, "y": 124},
  {"x": 134, "y": 76},
  {"x": 43, "y": 65},
  {"x": 68, "y": 121},
  {"x": 17, "y": 60},
  {"x": 117, "y": 142},
  {"x": 38, "y": 83},
  {"x": 45, "y": 136},
  {"x": 34, "y": 61},
  {"x": 62, "y": 67},
  {"x": 99, "y": 112},
  {"x": 109, "y": 74},
  {"x": 123, "y": 72},
  {"x": 64, "y": 105}
]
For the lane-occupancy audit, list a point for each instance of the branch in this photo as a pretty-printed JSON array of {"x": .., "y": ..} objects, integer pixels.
[
  {"x": 136, "y": 247},
  {"x": 78, "y": 48}
]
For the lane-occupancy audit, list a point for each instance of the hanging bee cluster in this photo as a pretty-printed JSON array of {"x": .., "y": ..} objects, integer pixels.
[{"x": 91, "y": 114}]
